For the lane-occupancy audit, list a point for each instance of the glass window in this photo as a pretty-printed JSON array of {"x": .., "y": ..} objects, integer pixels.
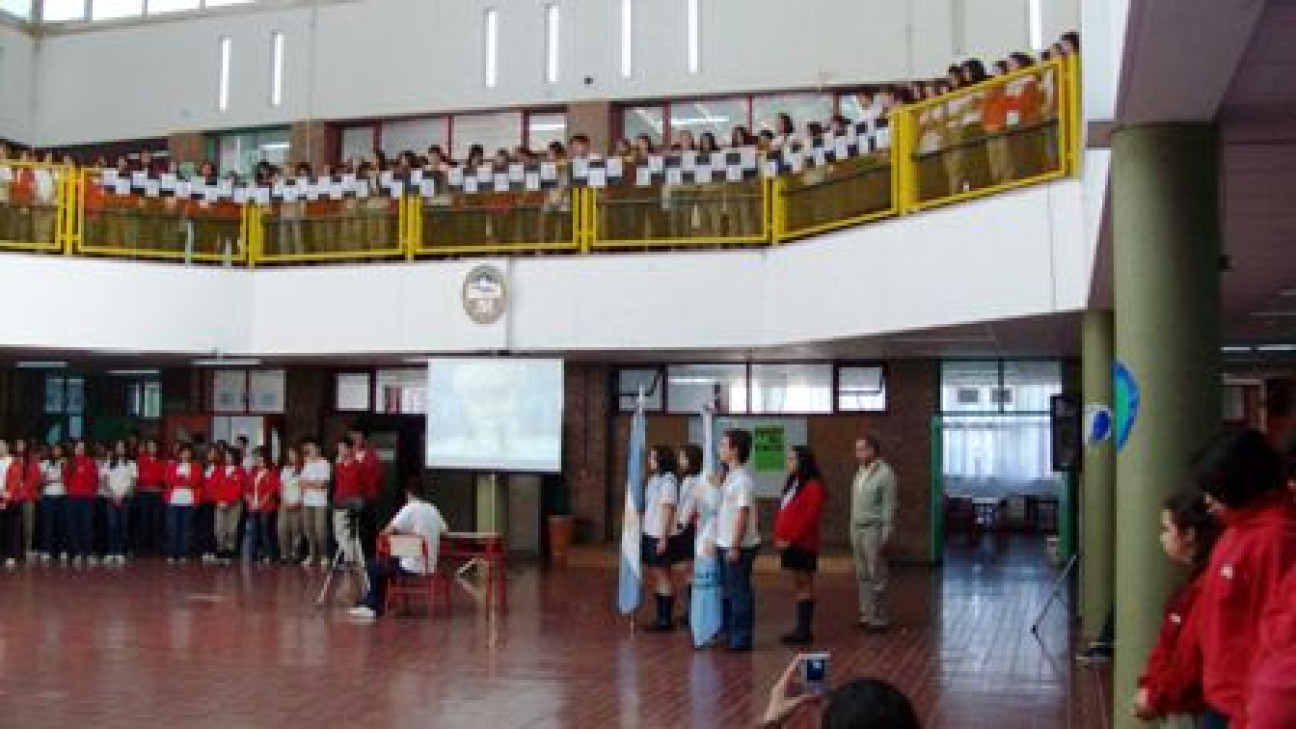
[
  {"x": 351, "y": 392},
  {"x": 689, "y": 387},
  {"x": 970, "y": 387},
  {"x": 631, "y": 381},
  {"x": 240, "y": 152},
  {"x": 229, "y": 391},
  {"x": 54, "y": 394},
  {"x": 543, "y": 128},
  {"x": 170, "y": 6},
  {"x": 414, "y": 135},
  {"x": 650, "y": 120},
  {"x": 791, "y": 388},
  {"x": 861, "y": 388},
  {"x": 401, "y": 391},
  {"x": 114, "y": 9},
  {"x": 144, "y": 399},
  {"x": 718, "y": 116},
  {"x": 267, "y": 391},
  {"x": 75, "y": 397},
  {"x": 1028, "y": 386},
  {"x": 803, "y": 108},
  {"x": 17, "y": 8},
  {"x": 491, "y": 131},
  {"x": 357, "y": 143},
  {"x": 59, "y": 11}
]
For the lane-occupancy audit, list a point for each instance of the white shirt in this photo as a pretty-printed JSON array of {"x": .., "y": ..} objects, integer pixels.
[
  {"x": 120, "y": 479},
  {"x": 52, "y": 478},
  {"x": 317, "y": 471},
  {"x": 688, "y": 502},
  {"x": 183, "y": 495},
  {"x": 738, "y": 492},
  {"x": 5, "y": 464},
  {"x": 661, "y": 491},
  {"x": 290, "y": 491},
  {"x": 421, "y": 518}
]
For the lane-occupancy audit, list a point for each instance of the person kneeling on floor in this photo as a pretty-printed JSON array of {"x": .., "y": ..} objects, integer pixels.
[{"x": 417, "y": 517}]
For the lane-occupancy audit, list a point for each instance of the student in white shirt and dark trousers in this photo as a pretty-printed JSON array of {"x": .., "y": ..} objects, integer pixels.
[
  {"x": 737, "y": 538},
  {"x": 119, "y": 476},
  {"x": 417, "y": 517},
  {"x": 660, "y": 498}
]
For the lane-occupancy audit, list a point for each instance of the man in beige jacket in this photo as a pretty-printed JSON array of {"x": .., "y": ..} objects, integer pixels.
[{"x": 873, "y": 506}]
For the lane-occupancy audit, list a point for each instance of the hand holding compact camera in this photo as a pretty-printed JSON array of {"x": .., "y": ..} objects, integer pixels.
[{"x": 804, "y": 681}]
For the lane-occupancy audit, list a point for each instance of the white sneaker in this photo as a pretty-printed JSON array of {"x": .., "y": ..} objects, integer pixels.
[
  {"x": 170, "y": 560},
  {"x": 92, "y": 560},
  {"x": 63, "y": 557},
  {"x": 10, "y": 563},
  {"x": 362, "y": 612},
  {"x": 44, "y": 556},
  {"x": 325, "y": 562}
]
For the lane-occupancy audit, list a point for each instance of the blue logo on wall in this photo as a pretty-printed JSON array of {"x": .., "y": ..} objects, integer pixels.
[
  {"x": 1098, "y": 424},
  {"x": 1126, "y": 390}
]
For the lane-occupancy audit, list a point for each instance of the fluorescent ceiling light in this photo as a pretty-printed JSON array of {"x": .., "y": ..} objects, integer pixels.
[
  {"x": 1276, "y": 348},
  {"x": 226, "y": 362},
  {"x": 1263, "y": 314},
  {"x": 42, "y": 365},
  {"x": 1235, "y": 349},
  {"x": 133, "y": 373}
]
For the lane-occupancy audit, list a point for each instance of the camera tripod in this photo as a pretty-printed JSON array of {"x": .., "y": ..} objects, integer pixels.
[{"x": 354, "y": 544}]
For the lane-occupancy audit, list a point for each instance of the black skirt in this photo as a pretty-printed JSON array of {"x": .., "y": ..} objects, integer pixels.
[
  {"x": 681, "y": 545},
  {"x": 648, "y": 555},
  {"x": 795, "y": 559}
]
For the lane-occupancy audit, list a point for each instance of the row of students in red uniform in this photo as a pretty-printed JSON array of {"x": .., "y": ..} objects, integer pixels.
[{"x": 1227, "y": 648}]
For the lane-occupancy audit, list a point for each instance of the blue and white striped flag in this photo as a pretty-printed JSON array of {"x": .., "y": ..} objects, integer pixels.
[
  {"x": 706, "y": 610},
  {"x": 630, "y": 592}
]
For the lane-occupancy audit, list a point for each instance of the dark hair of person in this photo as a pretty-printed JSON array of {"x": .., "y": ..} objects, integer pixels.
[
  {"x": 807, "y": 468},
  {"x": 741, "y": 441},
  {"x": 1189, "y": 513},
  {"x": 115, "y": 460},
  {"x": 784, "y": 124},
  {"x": 693, "y": 455},
  {"x": 872, "y": 440},
  {"x": 1238, "y": 468},
  {"x": 868, "y": 703},
  {"x": 1023, "y": 59},
  {"x": 974, "y": 71},
  {"x": 263, "y": 453},
  {"x": 1072, "y": 38},
  {"x": 665, "y": 460}
]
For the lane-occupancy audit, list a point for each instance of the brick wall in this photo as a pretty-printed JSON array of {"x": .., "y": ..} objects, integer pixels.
[
  {"x": 585, "y": 446},
  {"x": 905, "y": 432}
]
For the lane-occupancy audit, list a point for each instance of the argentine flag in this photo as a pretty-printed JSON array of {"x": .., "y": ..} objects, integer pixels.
[
  {"x": 630, "y": 591},
  {"x": 706, "y": 611}
]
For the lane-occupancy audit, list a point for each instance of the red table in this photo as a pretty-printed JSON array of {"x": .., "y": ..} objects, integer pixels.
[{"x": 484, "y": 549}]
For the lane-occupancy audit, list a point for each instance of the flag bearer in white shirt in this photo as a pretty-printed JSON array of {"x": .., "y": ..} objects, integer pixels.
[
  {"x": 737, "y": 538},
  {"x": 660, "y": 497}
]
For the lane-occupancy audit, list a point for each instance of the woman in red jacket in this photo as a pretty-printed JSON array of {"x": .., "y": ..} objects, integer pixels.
[
  {"x": 83, "y": 492},
  {"x": 149, "y": 505},
  {"x": 1272, "y": 703},
  {"x": 28, "y": 454},
  {"x": 1244, "y": 481},
  {"x": 796, "y": 535},
  {"x": 1171, "y": 682},
  {"x": 261, "y": 499},
  {"x": 227, "y": 483}
]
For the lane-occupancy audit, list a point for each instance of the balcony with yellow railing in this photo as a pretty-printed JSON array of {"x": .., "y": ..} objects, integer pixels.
[{"x": 1010, "y": 131}]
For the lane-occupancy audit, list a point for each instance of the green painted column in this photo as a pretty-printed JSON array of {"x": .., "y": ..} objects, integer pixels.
[
  {"x": 1098, "y": 477},
  {"x": 1166, "y": 247}
]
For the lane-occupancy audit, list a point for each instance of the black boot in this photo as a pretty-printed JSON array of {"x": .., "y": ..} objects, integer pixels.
[
  {"x": 805, "y": 617},
  {"x": 687, "y": 599},
  {"x": 665, "y": 615}
]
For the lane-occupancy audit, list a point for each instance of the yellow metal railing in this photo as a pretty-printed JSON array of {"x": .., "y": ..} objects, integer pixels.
[
  {"x": 1011, "y": 131},
  {"x": 1006, "y": 132},
  {"x": 33, "y": 201}
]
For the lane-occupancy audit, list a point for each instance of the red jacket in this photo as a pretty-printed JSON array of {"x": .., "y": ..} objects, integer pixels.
[
  {"x": 262, "y": 490},
  {"x": 225, "y": 484},
  {"x": 152, "y": 472},
  {"x": 193, "y": 481},
  {"x": 798, "y": 518},
  {"x": 371, "y": 472},
  {"x": 31, "y": 481},
  {"x": 1172, "y": 676},
  {"x": 1272, "y": 703},
  {"x": 83, "y": 478},
  {"x": 347, "y": 480},
  {"x": 1249, "y": 560}
]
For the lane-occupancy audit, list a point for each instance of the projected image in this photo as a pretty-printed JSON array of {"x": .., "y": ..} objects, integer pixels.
[{"x": 495, "y": 414}]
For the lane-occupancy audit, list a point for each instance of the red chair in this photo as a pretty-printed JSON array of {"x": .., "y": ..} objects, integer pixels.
[{"x": 406, "y": 586}]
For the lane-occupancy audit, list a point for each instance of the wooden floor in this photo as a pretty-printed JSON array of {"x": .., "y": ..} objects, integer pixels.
[{"x": 241, "y": 646}]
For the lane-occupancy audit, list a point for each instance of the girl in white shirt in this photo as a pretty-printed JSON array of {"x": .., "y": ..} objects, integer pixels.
[
  {"x": 660, "y": 497},
  {"x": 314, "y": 480},
  {"x": 53, "y": 510},
  {"x": 119, "y": 475},
  {"x": 290, "y": 505}
]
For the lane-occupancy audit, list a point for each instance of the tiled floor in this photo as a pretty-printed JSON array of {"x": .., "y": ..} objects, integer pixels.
[{"x": 228, "y": 647}]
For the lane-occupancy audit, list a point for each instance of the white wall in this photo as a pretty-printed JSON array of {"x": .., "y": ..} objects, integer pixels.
[
  {"x": 17, "y": 74},
  {"x": 389, "y": 57},
  {"x": 1014, "y": 255}
]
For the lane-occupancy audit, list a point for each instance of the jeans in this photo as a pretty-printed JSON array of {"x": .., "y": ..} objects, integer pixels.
[
  {"x": 736, "y": 577},
  {"x": 381, "y": 570},
  {"x": 82, "y": 512},
  {"x": 54, "y": 525},
  {"x": 1212, "y": 719},
  {"x": 259, "y": 535},
  {"x": 179, "y": 520},
  {"x": 118, "y": 521}
]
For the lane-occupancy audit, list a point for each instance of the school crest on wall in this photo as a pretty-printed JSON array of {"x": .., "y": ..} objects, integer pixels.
[{"x": 485, "y": 294}]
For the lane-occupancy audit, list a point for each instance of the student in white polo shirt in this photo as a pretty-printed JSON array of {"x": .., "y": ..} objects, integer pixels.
[
  {"x": 315, "y": 475},
  {"x": 737, "y": 538},
  {"x": 418, "y": 517},
  {"x": 660, "y": 497}
]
